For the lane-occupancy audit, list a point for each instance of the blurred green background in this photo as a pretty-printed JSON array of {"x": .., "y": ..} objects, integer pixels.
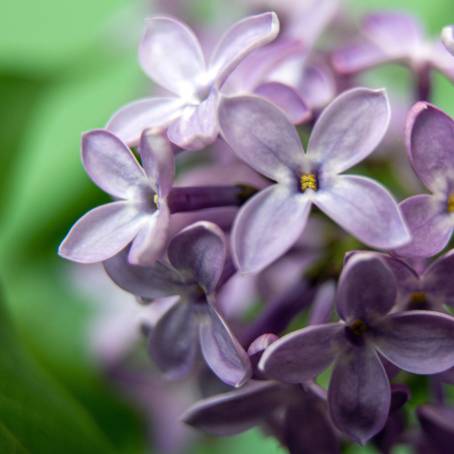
[{"x": 64, "y": 68}]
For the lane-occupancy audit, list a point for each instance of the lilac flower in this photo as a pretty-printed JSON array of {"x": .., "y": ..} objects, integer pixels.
[
  {"x": 196, "y": 260},
  {"x": 347, "y": 131},
  {"x": 420, "y": 342},
  {"x": 141, "y": 215},
  {"x": 171, "y": 56},
  {"x": 437, "y": 423},
  {"x": 393, "y": 37},
  {"x": 430, "y": 146},
  {"x": 447, "y": 38}
]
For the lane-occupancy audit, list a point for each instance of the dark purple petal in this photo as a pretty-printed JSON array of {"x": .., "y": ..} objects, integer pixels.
[
  {"x": 261, "y": 135},
  {"x": 303, "y": 354},
  {"x": 267, "y": 226},
  {"x": 287, "y": 99},
  {"x": 367, "y": 288},
  {"x": 238, "y": 410},
  {"x": 349, "y": 129},
  {"x": 437, "y": 422},
  {"x": 359, "y": 394},
  {"x": 438, "y": 279},
  {"x": 222, "y": 352},
  {"x": 111, "y": 165},
  {"x": 420, "y": 342},
  {"x": 158, "y": 161},
  {"x": 240, "y": 40},
  {"x": 430, "y": 144},
  {"x": 365, "y": 209},
  {"x": 171, "y": 55},
  {"x": 173, "y": 341},
  {"x": 102, "y": 232},
  {"x": 130, "y": 121},
  {"x": 199, "y": 252},
  {"x": 430, "y": 228},
  {"x": 151, "y": 240}
]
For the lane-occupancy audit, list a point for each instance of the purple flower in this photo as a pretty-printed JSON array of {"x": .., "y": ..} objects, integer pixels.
[
  {"x": 420, "y": 342},
  {"x": 347, "y": 131},
  {"x": 437, "y": 423},
  {"x": 447, "y": 38},
  {"x": 393, "y": 37},
  {"x": 140, "y": 215},
  {"x": 430, "y": 146},
  {"x": 171, "y": 56},
  {"x": 195, "y": 265}
]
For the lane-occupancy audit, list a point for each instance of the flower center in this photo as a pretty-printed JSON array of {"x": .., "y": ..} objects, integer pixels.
[
  {"x": 308, "y": 181},
  {"x": 451, "y": 203},
  {"x": 418, "y": 299},
  {"x": 358, "y": 327},
  {"x": 156, "y": 200}
]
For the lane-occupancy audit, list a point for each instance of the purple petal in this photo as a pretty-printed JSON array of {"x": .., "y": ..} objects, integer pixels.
[
  {"x": 447, "y": 37},
  {"x": 150, "y": 243},
  {"x": 199, "y": 252},
  {"x": 420, "y": 342},
  {"x": 267, "y": 226},
  {"x": 287, "y": 99},
  {"x": 317, "y": 86},
  {"x": 303, "y": 354},
  {"x": 236, "y": 411},
  {"x": 111, "y": 165},
  {"x": 130, "y": 121},
  {"x": 367, "y": 288},
  {"x": 359, "y": 394},
  {"x": 158, "y": 161},
  {"x": 171, "y": 55},
  {"x": 430, "y": 228},
  {"x": 222, "y": 352},
  {"x": 102, "y": 232},
  {"x": 437, "y": 423},
  {"x": 240, "y": 40},
  {"x": 197, "y": 127},
  {"x": 365, "y": 209},
  {"x": 323, "y": 304},
  {"x": 349, "y": 129},
  {"x": 430, "y": 144},
  {"x": 441, "y": 59},
  {"x": 438, "y": 281},
  {"x": 173, "y": 341},
  {"x": 261, "y": 135},
  {"x": 157, "y": 281}
]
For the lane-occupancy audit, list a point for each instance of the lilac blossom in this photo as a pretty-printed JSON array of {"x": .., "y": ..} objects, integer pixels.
[
  {"x": 347, "y": 131},
  {"x": 447, "y": 38},
  {"x": 430, "y": 145},
  {"x": 437, "y": 423},
  {"x": 171, "y": 56},
  {"x": 421, "y": 342},
  {"x": 196, "y": 258}
]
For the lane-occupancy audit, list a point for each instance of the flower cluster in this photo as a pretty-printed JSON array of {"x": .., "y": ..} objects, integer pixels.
[{"x": 269, "y": 227}]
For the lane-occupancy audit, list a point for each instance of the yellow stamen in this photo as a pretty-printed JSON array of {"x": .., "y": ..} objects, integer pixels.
[
  {"x": 451, "y": 203},
  {"x": 418, "y": 298},
  {"x": 308, "y": 181},
  {"x": 156, "y": 200}
]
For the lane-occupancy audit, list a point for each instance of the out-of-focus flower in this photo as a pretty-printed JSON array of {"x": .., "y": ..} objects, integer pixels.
[
  {"x": 196, "y": 261},
  {"x": 171, "y": 56},
  {"x": 437, "y": 423},
  {"x": 347, "y": 131},
  {"x": 447, "y": 38},
  {"x": 141, "y": 216},
  {"x": 420, "y": 342},
  {"x": 430, "y": 145}
]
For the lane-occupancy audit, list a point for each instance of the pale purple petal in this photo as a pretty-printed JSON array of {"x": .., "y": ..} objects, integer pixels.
[
  {"x": 441, "y": 59},
  {"x": 359, "y": 394},
  {"x": 367, "y": 288},
  {"x": 267, "y": 226},
  {"x": 102, "y": 232},
  {"x": 261, "y": 135},
  {"x": 130, "y": 121},
  {"x": 240, "y": 40},
  {"x": 365, "y": 209},
  {"x": 349, "y": 129},
  {"x": 158, "y": 161},
  {"x": 173, "y": 341},
  {"x": 429, "y": 227},
  {"x": 438, "y": 279},
  {"x": 303, "y": 354},
  {"x": 236, "y": 411},
  {"x": 420, "y": 342},
  {"x": 447, "y": 37},
  {"x": 222, "y": 352},
  {"x": 197, "y": 126},
  {"x": 199, "y": 252},
  {"x": 287, "y": 99},
  {"x": 110, "y": 164},
  {"x": 323, "y": 304},
  {"x": 150, "y": 243},
  {"x": 317, "y": 86},
  {"x": 171, "y": 55},
  {"x": 430, "y": 143}
]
